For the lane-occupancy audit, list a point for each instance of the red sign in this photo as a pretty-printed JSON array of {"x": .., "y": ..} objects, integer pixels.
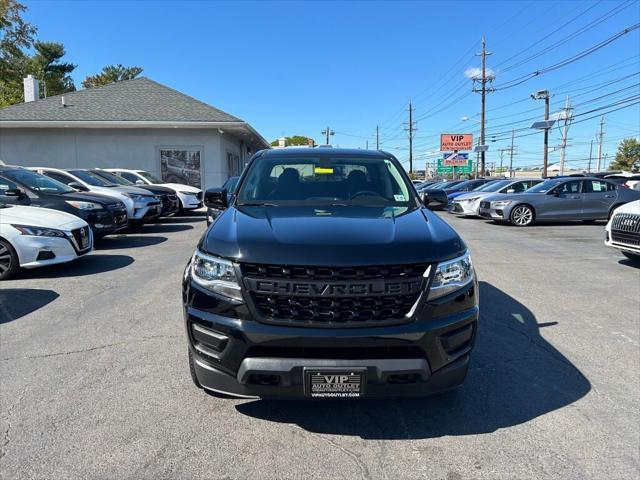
[{"x": 456, "y": 141}]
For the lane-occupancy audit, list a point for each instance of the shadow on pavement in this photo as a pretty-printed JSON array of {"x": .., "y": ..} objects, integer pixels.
[
  {"x": 515, "y": 376},
  {"x": 127, "y": 241},
  {"x": 627, "y": 262},
  {"x": 18, "y": 302},
  {"x": 88, "y": 265},
  {"x": 551, "y": 223}
]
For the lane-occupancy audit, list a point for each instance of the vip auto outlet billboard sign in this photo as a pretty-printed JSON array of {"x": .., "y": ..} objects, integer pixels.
[{"x": 456, "y": 141}]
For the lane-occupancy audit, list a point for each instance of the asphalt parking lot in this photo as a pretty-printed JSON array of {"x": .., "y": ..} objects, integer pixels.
[{"x": 95, "y": 383}]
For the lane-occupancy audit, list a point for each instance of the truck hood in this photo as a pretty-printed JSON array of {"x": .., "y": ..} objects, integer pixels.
[
  {"x": 335, "y": 236},
  {"x": 40, "y": 217}
]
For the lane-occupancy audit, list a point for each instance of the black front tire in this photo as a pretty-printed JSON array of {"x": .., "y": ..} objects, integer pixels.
[
  {"x": 9, "y": 262},
  {"x": 192, "y": 370}
]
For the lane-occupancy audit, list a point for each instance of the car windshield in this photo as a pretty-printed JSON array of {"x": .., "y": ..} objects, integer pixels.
[
  {"x": 37, "y": 182},
  {"x": 493, "y": 186},
  {"x": 111, "y": 178},
  {"x": 324, "y": 180},
  {"x": 543, "y": 187},
  {"x": 91, "y": 178},
  {"x": 461, "y": 186},
  {"x": 149, "y": 177}
]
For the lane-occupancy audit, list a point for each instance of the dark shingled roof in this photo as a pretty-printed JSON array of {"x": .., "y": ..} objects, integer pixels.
[{"x": 139, "y": 99}]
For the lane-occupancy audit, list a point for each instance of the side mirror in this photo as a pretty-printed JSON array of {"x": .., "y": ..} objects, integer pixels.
[
  {"x": 216, "y": 198},
  {"x": 511, "y": 190},
  {"x": 425, "y": 198},
  {"x": 78, "y": 186},
  {"x": 13, "y": 192},
  {"x": 139, "y": 182}
]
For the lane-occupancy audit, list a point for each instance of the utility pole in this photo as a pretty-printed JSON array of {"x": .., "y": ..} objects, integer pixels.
[
  {"x": 377, "y": 138},
  {"x": 600, "y": 139},
  {"x": 477, "y": 158},
  {"x": 513, "y": 133},
  {"x": 590, "y": 156},
  {"x": 567, "y": 121},
  {"x": 367, "y": 145},
  {"x": 410, "y": 130},
  {"x": 483, "y": 90},
  {"x": 544, "y": 95},
  {"x": 328, "y": 132}
]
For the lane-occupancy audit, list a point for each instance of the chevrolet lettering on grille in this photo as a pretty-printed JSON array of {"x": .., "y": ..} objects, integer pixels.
[{"x": 334, "y": 289}]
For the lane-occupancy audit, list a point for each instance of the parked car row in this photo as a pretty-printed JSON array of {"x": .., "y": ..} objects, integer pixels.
[{"x": 50, "y": 215}]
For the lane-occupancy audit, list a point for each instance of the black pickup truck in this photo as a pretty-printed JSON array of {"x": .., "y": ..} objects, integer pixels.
[{"x": 326, "y": 277}]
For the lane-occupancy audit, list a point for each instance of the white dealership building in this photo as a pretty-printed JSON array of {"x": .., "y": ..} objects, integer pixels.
[{"x": 135, "y": 124}]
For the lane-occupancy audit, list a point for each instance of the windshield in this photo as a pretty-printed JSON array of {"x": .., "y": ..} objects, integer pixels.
[
  {"x": 461, "y": 186},
  {"x": 91, "y": 178},
  {"x": 111, "y": 178},
  {"x": 37, "y": 182},
  {"x": 543, "y": 187},
  {"x": 493, "y": 186},
  {"x": 340, "y": 180},
  {"x": 149, "y": 177}
]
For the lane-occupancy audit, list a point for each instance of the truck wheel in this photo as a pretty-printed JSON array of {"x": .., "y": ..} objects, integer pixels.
[
  {"x": 631, "y": 256},
  {"x": 192, "y": 370},
  {"x": 9, "y": 263},
  {"x": 521, "y": 215}
]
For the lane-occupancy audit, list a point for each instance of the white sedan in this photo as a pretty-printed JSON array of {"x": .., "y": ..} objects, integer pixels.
[
  {"x": 190, "y": 197},
  {"x": 33, "y": 237},
  {"x": 623, "y": 230}
]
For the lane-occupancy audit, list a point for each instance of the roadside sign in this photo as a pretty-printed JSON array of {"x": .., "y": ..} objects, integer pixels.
[
  {"x": 455, "y": 159},
  {"x": 466, "y": 168},
  {"x": 456, "y": 141}
]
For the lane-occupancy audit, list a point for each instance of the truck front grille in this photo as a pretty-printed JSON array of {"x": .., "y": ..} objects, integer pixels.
[
  {"x": 333, "y": 273},
  {"x": 318, "y": 296}
]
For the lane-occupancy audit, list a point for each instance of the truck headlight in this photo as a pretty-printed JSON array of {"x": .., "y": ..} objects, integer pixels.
[
  {"x": 215, "y": 274},
  {"x": 451, "y": 276},
  {"x": 500, "y": 203},
  {"x": 39, "y": 231}
]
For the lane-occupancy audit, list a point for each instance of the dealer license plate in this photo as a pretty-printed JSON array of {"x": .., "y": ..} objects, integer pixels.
[{"x": 343, "y": 383}]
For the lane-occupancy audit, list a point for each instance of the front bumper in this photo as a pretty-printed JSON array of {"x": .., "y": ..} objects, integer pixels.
[
  {"x": 244, "y": 357},
  {"x": 191, "y": 202},
  {"x": 465, "y": 208},
  {"x": 36, "y": 251},
  {"x": 629, "y": 243},
  {"x": 493, "y": 213}
]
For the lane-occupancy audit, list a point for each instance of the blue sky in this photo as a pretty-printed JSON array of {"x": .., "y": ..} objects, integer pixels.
[{"x": 295, "y": 67}]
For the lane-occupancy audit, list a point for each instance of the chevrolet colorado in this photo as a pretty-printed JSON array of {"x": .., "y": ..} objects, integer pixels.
[{"x": 326, "y": 277}]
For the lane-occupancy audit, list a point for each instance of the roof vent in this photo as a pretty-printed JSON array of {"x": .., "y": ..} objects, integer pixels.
[
  {"x": 64, "y": 104},
  {"x": 31, "y": 89}
]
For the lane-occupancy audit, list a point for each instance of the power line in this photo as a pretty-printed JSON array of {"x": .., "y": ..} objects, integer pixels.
[{"x": 568, "y": 61}]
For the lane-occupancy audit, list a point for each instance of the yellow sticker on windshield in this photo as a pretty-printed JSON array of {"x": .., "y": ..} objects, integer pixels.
[{"x": 323, "y": 171}]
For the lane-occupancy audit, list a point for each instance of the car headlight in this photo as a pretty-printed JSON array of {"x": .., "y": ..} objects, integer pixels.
[
  {"x": 500, "y": 203},
  {"x": 39, "y": 231},
  {"x": 188, "y": 193},
  {"x": 451, "y": 276},
  {"x": 84, "y": 205},
  {"x": 470, "y": 200},
  {"x": 136, "y": 197},
  {"x": 215, "y": 274}
]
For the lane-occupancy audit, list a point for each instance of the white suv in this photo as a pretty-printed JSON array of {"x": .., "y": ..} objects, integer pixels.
[
  {"x": 190, "y": 197},
  {"x": 623, "y": 230},
  {"x": 33, "y": 237}
]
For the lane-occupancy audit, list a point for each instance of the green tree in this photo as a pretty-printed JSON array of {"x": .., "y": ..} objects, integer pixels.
[
  {"x": 53, "y": 74},
  {"x": 16, "y": 35},
  {"x": 110, "y": 74},
  {"x": 627, "y": 156},
  {"x": 295, "y": 140}
]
